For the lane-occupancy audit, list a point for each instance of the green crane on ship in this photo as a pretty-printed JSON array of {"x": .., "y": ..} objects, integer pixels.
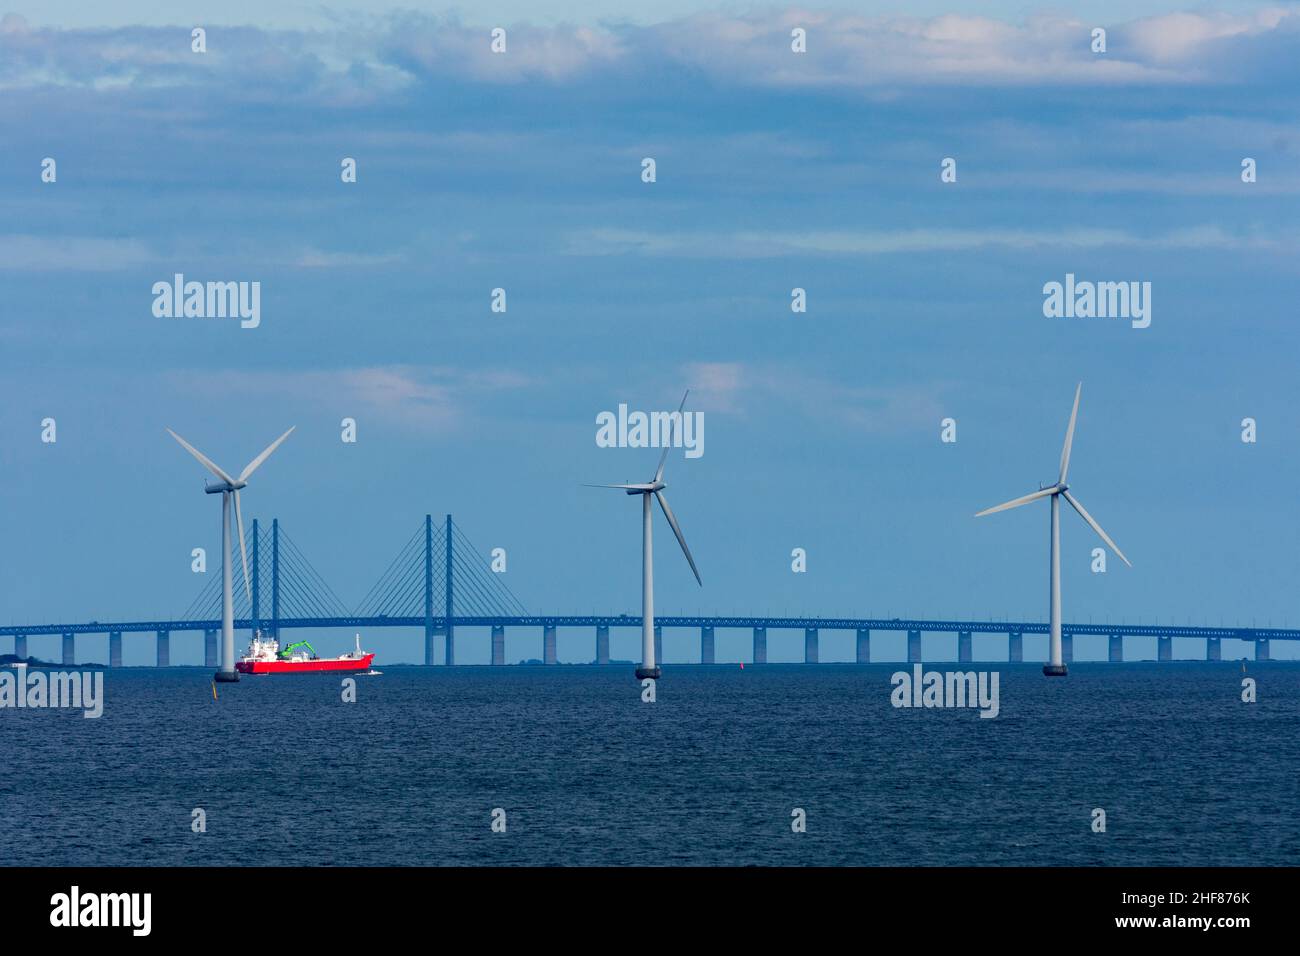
[{"x": 289, "y": 650}]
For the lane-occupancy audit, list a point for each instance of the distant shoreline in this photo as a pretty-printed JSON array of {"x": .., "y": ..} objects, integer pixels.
[{"x": 8, "y": 660}]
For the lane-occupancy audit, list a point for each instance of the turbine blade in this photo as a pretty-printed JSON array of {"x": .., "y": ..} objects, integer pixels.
[
  {"x": 1017, "y": 502},
  {"x": 256, "y": 462},
  {"x": 203, "y": 459},
  {"x": 243, "y": 552},
  {"x": 668, "y": 513},
  {"x": 1069, "y": 435},
  {"x": 1095, "y": 527},
  {"x": 659, "y": 472},
  {"x": 624, "y": 487}
]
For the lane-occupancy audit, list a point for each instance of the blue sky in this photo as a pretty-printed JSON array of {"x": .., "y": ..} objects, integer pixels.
[{"x": 522, "y": 171}]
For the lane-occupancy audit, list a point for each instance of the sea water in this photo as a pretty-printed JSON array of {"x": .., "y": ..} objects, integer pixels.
[{"x": 581, "y": 771}]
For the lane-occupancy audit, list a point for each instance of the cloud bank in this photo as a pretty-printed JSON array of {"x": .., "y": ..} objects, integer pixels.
[{"x": 381, "y": 55}]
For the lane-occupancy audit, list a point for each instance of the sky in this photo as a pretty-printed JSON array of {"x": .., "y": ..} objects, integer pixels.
[{"x": 775, "y": 171}]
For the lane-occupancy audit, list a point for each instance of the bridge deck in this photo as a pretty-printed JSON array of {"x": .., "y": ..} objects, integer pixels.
[{"x": 627, "y": 620}]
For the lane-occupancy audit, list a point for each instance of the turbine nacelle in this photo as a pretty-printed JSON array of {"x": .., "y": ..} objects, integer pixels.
[
  {"x": 223, "y": 487},
  {"x": 648, "y": 488}
]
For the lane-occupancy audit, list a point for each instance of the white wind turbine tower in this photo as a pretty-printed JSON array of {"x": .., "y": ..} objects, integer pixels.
[
  {"x": 1056, "y": 666},
  {"x": 229, "y": 487},
  {"x": 654, "y": 488}
]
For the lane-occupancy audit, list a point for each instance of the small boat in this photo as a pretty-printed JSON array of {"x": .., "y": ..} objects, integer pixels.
[{"x": 264, "y": 656}]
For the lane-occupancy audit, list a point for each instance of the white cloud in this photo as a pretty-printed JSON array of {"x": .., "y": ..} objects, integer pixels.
[
  {"x": 740, "y": 388},
  {"x": 716, "y": 386},
  {"x": 12, "y": 23},
  {"x": 424, "y": 397},
  {"x": 23, "y": 253},
  {"x": 1177, "y": 37},
  {"x": 28, "y": 253},
  {"x": 850, "y": 51},
  {"x": 771, "y": 244},
  {"x": 318, "y": 259}
]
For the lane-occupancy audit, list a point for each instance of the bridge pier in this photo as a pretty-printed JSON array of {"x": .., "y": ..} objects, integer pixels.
[
  {"x": 1067, "y": 648},
  {"x": 20, "y": 645},
  {"x": 209, "y": 648},
  {"x": 1261, "y": 649},
  {"x": 1116, "y": 649},
  {"x": 1165, "y": 648},
  {"x": 707, "y": 645},
  {"x": 1213, "y": 652},
  {"x": 69, "y": 650},
  {"x": 114, "y": 648},
  {"x": 864, "y": 646},
  {"x": 450, "y": 644},
  {"x": 760, "y": 645},
  {"x": 659, "y": 645},
  {"x": 810, "y": 653},
  {"x": 548, "y": 644},
  {"x": 1015, "y": 647},
  {"x": 164, "y": 648},
  {"x": 913, "y": 647},
  {"x": 498, "y": 644},
  {"x": 602, "y": 645},
  {"x": 963, "y": 647},
  {"x": 430, "y": 632}
]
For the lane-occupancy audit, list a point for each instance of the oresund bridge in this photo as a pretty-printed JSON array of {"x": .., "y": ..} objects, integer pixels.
[{"x": 439, "y": 582}]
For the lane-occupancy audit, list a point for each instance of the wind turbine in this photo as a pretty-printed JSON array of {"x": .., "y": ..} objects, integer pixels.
[
  {"x": 654, "y": 488},
  {"x": 229, "y": 487},
  {"x": 1055, "y": 667}
]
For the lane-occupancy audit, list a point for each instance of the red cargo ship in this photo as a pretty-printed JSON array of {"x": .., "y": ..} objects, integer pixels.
[{"x": 265, "y": 657}]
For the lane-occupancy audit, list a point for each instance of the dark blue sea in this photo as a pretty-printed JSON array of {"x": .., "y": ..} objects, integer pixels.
[{"x": 709, "y": 774}]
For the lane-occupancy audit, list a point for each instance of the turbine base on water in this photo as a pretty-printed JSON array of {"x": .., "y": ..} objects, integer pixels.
[
  {"x": 226, "y": 677},
  {"x": 653, "y": 673},
  {"x": 1054, "y": 670}
]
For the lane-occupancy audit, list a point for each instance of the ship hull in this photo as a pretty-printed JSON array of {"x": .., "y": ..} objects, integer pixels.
[{"x": 305, "y": 667}]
